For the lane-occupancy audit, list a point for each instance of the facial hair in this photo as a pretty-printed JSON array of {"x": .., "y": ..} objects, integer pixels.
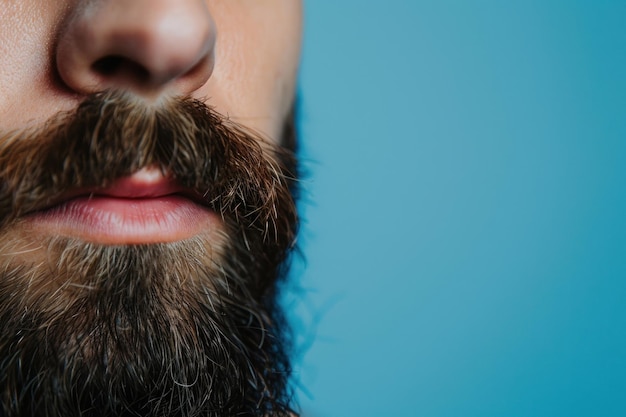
[{"x": 187, "y": 328}]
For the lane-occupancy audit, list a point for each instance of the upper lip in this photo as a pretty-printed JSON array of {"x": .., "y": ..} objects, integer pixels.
[
  {"x": 130, "y": 187},
  {"x": 144, "y": 184}
]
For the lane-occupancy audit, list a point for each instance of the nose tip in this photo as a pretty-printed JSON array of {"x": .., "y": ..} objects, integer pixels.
[{"x": 140, "y": 45}]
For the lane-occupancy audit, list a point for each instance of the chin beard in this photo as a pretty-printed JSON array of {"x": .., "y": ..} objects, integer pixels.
[{"x": 188, "y": 328}]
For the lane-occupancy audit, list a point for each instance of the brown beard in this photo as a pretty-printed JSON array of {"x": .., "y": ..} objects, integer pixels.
[{"x": 189, "y": 328}]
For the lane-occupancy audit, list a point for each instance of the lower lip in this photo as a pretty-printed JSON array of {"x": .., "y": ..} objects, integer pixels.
[{"x": 123, "y": 221}]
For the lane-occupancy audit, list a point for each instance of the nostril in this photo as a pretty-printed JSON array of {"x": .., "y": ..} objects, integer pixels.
[
  {"x": 119, "y": 67},
  {"x": 108, "y": 65}
]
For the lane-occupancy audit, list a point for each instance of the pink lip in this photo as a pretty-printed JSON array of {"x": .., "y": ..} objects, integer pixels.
[{"x": 143, "y": 208}]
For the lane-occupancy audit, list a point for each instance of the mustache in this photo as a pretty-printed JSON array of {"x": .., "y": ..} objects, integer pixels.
[{"x": 236, "y": 172}]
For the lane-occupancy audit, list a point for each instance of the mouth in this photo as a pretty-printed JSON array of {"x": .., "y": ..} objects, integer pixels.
[{"x": 144, "y": 208}]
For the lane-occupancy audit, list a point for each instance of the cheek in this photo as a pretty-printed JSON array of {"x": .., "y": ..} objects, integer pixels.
[
  {"x": 19, "y": 58},
  {"x": 28, "y": 86},
  {"x": 256, "y": 63}
]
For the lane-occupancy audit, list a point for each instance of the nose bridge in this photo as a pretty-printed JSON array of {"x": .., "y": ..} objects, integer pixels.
[{"x": 137, "y": 44}]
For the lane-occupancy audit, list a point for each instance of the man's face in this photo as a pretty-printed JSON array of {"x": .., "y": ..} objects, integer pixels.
[{"x": 146, "y": 206}]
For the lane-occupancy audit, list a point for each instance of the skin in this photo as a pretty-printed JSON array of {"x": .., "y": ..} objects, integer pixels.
[{"x": 239, "y": 56}]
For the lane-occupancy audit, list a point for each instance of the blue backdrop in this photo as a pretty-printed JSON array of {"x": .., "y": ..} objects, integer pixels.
[{"x": 465, "y": 210}]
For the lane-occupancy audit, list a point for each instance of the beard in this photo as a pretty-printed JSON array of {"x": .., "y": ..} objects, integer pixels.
[{"x": 186, "y": 328}]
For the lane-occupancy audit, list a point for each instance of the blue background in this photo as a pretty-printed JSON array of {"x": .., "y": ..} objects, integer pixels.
[{"x": 465, "y": 210}]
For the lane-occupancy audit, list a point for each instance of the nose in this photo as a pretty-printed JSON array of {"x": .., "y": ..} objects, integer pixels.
[{"x": 147, "y": 46}]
